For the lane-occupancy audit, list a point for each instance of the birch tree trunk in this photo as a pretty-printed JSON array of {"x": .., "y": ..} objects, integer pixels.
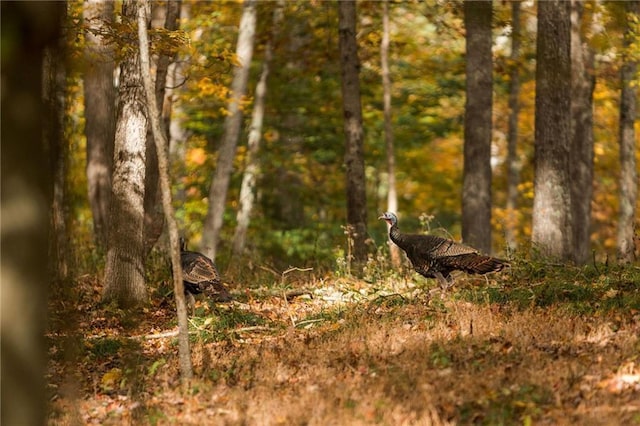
[
  {"x": 513, "y": 164},
  {"x": 581, "y": 171},
  {"x": 162, "y": 145},
  {"x": 99, "y": 112},
  {"x": 392, "y": 194},
  {"x": 124, "y": 271},
  {"x": 476, "y": 189},
  {"x": 231, "y": 132},
  {"x": 353, "y": 131},
  {"x": 252, "y": 169},
  {"x": 551, "y": 230},
  {"x": 628, "y": 166}
]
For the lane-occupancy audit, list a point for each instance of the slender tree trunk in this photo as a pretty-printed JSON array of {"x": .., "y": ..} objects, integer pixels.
[
  {"x": 54, "y": 93},
  {"x": 581, "y": 171},
  {"x": 476, "y": 190},
  {"x": 174, "y": 121},
  {"x": 513, "y": 164},
  {"x": 551, "y": 233},
  {"x": 153, "y": 213},
  {"x": 124, "y": 271},
  {"x": 628, "y": 167},
  {"x": 231, "y": 134},
  {"x": 25, "y": 198},
  {"x": 247, "y": 188},
  {"x": 162, "y": 145},
  {"x": 171, "y": 23},
  {"x": 354, "y": 134},
  {"x": 392, "y": 194},
  {"x": 100, "y": 100}
]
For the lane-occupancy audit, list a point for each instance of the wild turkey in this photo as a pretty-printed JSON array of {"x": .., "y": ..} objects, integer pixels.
[
  {"x": 200, "y": 275},
  {"x": 435, "y": 257}
]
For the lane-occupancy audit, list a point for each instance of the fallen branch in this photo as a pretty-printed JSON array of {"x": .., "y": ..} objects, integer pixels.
[
  {"x": 294, "y": 268},
  {"x": 297, "y": 293}
]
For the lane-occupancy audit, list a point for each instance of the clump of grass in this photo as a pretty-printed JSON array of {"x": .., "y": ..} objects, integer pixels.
[
  {"x": 224, "y": 323},
  {"x": 516, "y": 404},
  {"x": 586, "y": 289},
  {"x": 103, "y": 348}
]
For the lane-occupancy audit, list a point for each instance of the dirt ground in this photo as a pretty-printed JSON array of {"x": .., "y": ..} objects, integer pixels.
[{"x": 345, "y": 352}]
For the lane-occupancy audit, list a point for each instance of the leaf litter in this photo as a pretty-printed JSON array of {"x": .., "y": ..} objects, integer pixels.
[{"x": 344, "y": 351}]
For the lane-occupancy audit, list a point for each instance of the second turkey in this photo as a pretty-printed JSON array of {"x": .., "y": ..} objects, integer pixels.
[{"x": 200, "y": 275}]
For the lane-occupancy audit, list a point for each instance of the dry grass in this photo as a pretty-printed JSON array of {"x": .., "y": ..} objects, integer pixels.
[{"x": 357, "y": 354}]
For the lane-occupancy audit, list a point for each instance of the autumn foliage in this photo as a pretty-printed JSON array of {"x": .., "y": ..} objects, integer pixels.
[{"x": 307, "y": 340}]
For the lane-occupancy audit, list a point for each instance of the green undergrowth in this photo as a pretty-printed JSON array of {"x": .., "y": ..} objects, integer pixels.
[
  {"x": 584, "y": 290},
  {"x": 222, "y": 324}
]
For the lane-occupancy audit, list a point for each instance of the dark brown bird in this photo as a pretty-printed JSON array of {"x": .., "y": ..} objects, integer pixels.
[
  {"x": 200, "y": 275},
  {"x": 435, "y": 257}
]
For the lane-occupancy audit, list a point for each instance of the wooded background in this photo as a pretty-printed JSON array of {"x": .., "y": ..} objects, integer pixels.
[
  {"x": 292, "y": 125},
  {"x": 277, "y": 159}
]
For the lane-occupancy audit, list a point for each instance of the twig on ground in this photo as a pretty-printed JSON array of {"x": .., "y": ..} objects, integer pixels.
[
  {"x": 294, "y": 268},
  {"x": 309, "y": 321},
  {"x": 298, "y": 292}
]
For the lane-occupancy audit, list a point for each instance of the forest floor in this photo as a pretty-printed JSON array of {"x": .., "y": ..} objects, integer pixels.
[{"x": 536, "y": 345}]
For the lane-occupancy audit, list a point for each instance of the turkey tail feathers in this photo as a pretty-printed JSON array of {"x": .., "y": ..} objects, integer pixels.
[{"x": 479, "y": 264}]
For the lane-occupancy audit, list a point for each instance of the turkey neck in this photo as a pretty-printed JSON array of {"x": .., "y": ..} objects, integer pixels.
[{"x": 395, "y": 235}]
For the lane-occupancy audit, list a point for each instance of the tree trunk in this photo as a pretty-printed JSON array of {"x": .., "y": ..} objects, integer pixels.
[
  {"x": 99, "y": 112},
  {"x": 231, "y": 134},
  {"x": 581, "y": 164},
  {"x": 162, "y": 145},
  {"x": 153, "y": 212},
  {"x": 25, "y": 198},
  {"x": 54, "y": 93},
  {"x": 124, "y": 271},
  {"x": 247, "y": 188},
  {"x": 628, "y": 167},
  {"x": 392, "y": 194},
  {"x": 513, "y": 164},
  {"x": 476, "y": 190},
  {"x": 354, "y": 150},
  {"x": 175, "y": 114},
  {"x": 551, "y": 230},
  {"x": 171, "y": 23}
]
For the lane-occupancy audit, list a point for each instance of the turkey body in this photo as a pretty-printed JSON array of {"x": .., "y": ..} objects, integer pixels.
[
  {"x": 200, "y": 275},
  {"x": 436, "y": 257}
]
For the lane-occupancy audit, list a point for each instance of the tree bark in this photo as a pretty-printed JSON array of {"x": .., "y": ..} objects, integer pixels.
[
  {"x": 476, "y": 190},
  {"x": 54, "y": 94},
  {"x": 551, "y": 230},
  {"x": 175, "y": 114},
  {"x": 628, "y": 167},
  {"x": 25, "y": 200},
  {"x": 581, "y": 171},
  {"x": 252, "y": 169},
  {"x": 162, "y": 145},
  {"x": 354, "y": 135},
  {"x": 392, "y": 194},
  {"x": 99, "y": 112},
  {"x": 153, "y": 212},
  {"x": 513, "y": 164},
  {"x": 231, "y": 133},
  {"x": 124, "y": 271}
]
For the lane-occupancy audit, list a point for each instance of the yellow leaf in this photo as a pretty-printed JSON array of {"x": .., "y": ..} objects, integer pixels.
[
  {"x": 111, "y": 379},
  {"x": 196, "y": 156}
]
